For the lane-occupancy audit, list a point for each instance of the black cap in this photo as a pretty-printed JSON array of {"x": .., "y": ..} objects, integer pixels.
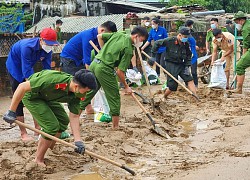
[
  {"x": 216, "y": 32},
  {"x": 146, "y": 18},
  {"x": 189, "y": 22},
  {"x": 185, "y": 31},
  {"x": 59, "y": 21},
  {"x": 228, "y": 21},
  {"x": 85, "y": 78}
]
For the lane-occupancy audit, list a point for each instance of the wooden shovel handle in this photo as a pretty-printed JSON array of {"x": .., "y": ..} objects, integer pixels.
[
  {"x": 138, "y": 102},
  {"x": 94, "y": 46},
  {"x": 73, "y": 146},
  {"x": 164, "y": 70}
]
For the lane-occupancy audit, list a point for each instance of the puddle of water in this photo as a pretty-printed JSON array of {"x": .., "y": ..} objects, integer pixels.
[
  {"x": 89, "y": 176},
  {"x": 202, "y": 125},
  {"x": 188, "y": 127}
]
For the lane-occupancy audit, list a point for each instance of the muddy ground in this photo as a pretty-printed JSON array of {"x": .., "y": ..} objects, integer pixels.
[{"x": 210, "y": 139}]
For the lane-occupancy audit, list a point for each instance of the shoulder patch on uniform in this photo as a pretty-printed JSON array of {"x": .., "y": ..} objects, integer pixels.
[{"x": 61, "y": 86}]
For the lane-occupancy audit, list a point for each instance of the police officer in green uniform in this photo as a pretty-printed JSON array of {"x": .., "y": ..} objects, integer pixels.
[
  {"x": 43, "y": 94},
  {"x": 116, "y": 52},
  {"x": 209, "y": 37},
  {"x": 178, "y": 59},
  {"x": 242, "y": 24}
]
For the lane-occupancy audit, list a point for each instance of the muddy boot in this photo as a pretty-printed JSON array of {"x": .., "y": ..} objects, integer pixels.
[
  {"x": 238, "y": 90},
  {"x": 240, "y": 80}
]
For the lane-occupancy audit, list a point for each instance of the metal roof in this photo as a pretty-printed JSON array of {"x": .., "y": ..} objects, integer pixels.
[
  {"x": 133, "y": 4},
  {"x": 78, "y": 24}
]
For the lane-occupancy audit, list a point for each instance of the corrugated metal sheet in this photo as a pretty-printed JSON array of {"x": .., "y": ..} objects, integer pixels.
[
  {"x": 146, "y": 1},
  {"x": 77, "y": 24},
  {"x": 15, "y": 1},
  {"x": 133, "y": 4}
]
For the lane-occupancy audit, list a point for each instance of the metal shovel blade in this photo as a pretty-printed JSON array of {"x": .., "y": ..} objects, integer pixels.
[
  {"x": 144, "y": 100},
  {"x": 157, "y": 129}
]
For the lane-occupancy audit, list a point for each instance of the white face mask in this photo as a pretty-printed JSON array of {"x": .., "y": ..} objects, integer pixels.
[
  {"x": 213, "y": 26},
  {"x": 238, "y": 26},
  {"x": 147, "y": 24},
  {"x": 47, "y": 48},
  {"x": 138, "y": 44},
  {"x": 219, "y": 39},
  {"x": 153, "y": 26}
]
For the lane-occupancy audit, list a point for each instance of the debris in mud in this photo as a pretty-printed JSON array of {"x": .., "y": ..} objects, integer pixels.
[{"x": 239, "y": 154}]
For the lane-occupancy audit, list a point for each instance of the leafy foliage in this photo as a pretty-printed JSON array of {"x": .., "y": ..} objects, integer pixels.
[
  {"x": 11, "y": 16},
  {"x": 230, "y": 6}
]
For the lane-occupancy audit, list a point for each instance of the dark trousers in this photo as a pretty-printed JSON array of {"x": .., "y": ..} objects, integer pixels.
[
  {"x": 194, "y": 73},
  {"x": 14, "y": 84},
  {"x": 69, "y": 66},
  {"x": 160, "y": 59}
]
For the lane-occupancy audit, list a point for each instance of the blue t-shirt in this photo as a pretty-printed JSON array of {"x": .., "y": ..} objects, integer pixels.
[
  {"x": 155, "y": 35},
  {"x": 192, "y": 44},
  {"x": 79, "y": 49},
  {"x": 23, "y": 56}
]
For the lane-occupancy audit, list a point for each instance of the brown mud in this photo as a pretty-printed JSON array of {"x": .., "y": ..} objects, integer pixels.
[{"x": 209, "y": 140}]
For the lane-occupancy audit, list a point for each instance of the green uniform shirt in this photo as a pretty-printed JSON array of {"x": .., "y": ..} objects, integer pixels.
[
  {"x": 59, "y": 34},
  {"x": 209, "y": 36},
  {"x": 246, "y": 34},
  {"x": 117, "y": 51},
  {"x": 51, "y": 85}
]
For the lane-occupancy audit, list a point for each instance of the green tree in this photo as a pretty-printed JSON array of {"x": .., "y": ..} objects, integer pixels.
[
  {"x": 230, "y": 6},
  {"x": 184, "y": 2}
]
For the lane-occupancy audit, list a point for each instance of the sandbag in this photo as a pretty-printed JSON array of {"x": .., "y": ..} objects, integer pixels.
[
  {"x": 101, "y": 107},
  {"x": 218, "y": 77}
]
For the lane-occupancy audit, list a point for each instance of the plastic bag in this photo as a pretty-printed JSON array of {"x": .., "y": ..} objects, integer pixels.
[
  {"x": 133, "y": 76},
  {"x": 101, "y": 107},
  {"x": 151, "y": 73},
  {"x": 218, "y": 76}
]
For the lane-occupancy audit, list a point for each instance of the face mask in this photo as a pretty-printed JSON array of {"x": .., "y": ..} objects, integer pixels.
[
  {"x": 219, "y": 39},
  {"x": 47, "y": 48},
  {"x": 153, "y": 26},
  {"x": 213, "y": 26},
  {"x": 184, "y": 40},
  {"x": 238, "y": 26},
  {"x": 78, "y": 94},
  {"x": 138, "y": 43},
  {"x": 147, "y": 24}
]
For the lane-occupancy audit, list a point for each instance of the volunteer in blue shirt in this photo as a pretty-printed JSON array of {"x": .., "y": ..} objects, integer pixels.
[
  {"x": 193, "y": 47},
  {"x": 22, "y": 57},
  {"x": 157, "y": 32},
  {"x": 76, "y": 54}
]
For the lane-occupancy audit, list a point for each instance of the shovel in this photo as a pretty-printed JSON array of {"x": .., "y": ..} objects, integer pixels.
[
  {"x": 73, "y": 146},
  {"x": 158, "y": 130},
  {"x": 144, "y": 100},
  {"x": 164, "y": 70},
  {"x": 145, "y": 76}
]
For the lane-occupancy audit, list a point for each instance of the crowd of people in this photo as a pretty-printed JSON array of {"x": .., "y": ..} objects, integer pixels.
[{"x": 82, "y": 76}]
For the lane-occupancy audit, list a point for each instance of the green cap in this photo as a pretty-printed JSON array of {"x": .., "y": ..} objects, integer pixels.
[{"x": 239, "y": 14}]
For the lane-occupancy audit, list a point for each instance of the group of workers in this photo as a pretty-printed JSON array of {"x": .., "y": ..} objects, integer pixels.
[{"x": 43, "y": 92}]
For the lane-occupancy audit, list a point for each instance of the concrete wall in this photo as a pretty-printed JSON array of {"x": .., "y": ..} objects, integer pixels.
[{"x": 64, "y": 8}]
